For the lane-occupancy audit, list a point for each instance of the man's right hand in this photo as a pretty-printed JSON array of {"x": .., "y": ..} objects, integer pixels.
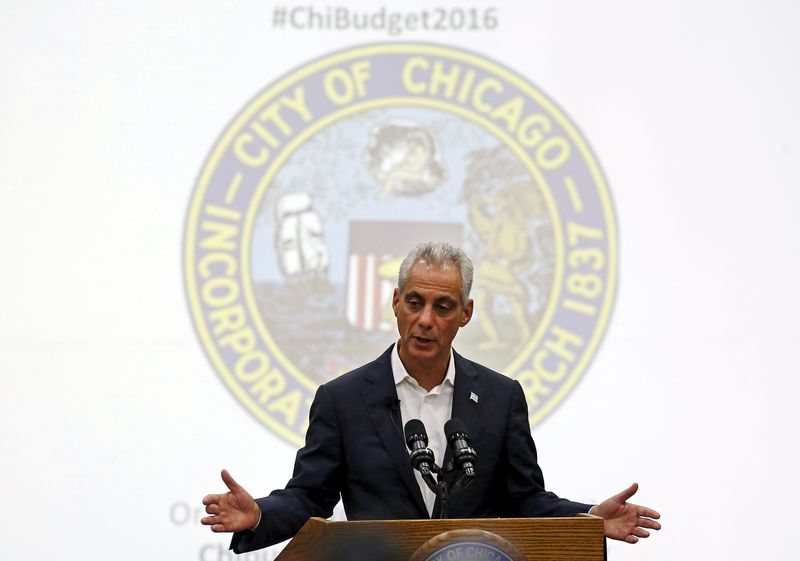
[{"x": 234, "y": 511}]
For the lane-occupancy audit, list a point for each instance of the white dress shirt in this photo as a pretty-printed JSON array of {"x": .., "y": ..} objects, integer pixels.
[{"x": 432, "y": 408}]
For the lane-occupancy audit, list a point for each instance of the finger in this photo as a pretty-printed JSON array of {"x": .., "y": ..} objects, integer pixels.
[
  {"x": 230, "y": 482},
  {"x": 209, "y": 520},
  {"x": 210, "y": 499},
  {"x": 631, "y": 539},
  {"x": 648, "y": 512},
  {"x": 641, "y": 533},
  {"x": 647, "y": 523},
  {"x": 212, "y": 509},
  {"x": 627, "y": 493}
]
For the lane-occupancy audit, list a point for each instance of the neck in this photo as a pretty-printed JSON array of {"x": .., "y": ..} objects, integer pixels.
[{"x": 427, "y": 374}]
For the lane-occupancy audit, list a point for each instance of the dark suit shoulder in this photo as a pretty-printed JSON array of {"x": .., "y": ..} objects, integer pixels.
[
  {"x": 486, "y": 374},
  {"x": 367, "y": 372}
]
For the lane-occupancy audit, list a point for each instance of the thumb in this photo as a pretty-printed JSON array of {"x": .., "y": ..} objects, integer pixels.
[
  {"x": 230, "y": 482},
  {"x": 627, "y": 493}
]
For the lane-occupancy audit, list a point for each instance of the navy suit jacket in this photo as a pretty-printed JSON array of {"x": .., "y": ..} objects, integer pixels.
[{"x": 355, "y": 448}]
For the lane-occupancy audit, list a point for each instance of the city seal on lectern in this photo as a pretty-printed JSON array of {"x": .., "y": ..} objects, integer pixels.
[{"x": 467, "y": 545}]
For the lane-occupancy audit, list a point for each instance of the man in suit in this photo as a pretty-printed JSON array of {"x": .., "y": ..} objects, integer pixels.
[{"x": 355, "y": 445}]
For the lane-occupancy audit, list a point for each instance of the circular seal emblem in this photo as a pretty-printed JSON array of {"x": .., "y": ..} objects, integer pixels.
[
  {"x": 467, "y": 545},
  {"x": 323, "y": 182}
]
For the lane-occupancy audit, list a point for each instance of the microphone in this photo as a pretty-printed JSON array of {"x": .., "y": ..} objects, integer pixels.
[
  {"x": 417, "y": 441},
  {"x": 463, "y": 454},
  {"x": 393, "y": 403}
]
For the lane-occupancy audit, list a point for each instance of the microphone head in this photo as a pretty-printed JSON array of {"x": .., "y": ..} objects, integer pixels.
[
  {"x": 415, "y": 430},
  {"x": 454, "y": 427}
]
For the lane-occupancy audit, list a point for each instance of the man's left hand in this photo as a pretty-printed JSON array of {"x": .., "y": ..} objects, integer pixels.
[{"x": 626, "y": 521}]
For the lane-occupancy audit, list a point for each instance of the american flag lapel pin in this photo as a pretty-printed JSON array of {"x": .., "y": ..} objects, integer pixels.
[{"x": 473, "y": 397}]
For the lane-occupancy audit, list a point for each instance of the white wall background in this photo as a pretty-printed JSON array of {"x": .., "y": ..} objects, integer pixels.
[{"x": 114, "y": 423}]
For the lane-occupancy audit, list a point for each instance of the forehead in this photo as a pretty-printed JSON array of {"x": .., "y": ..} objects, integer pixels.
[{"x": 434, "y": 282}]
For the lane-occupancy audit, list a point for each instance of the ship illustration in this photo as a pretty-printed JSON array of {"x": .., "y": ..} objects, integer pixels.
[{"x": 302, "y": 254}]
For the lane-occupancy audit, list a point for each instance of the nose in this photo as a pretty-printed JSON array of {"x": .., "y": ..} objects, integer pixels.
[{"x": 426, "y": 317}]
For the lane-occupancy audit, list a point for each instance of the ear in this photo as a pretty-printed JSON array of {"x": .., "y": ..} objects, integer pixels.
[
  {"x": 395, "y": 300},
  {"x": 467, "y": 313}
]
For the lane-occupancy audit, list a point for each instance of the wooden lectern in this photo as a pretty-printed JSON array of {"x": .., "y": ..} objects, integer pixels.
[{"x": 538, "y": 539}]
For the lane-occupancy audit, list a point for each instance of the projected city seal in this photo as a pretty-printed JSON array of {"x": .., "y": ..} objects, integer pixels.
[{"x": 322, "y": 183}]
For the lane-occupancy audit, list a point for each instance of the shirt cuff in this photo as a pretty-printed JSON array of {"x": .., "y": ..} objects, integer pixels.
[{"x": 253, "y": 529}]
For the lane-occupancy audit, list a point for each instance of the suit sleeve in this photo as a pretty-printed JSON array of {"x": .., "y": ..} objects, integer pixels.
[
  {"x": 525, "y": 480},
  {"x": 313, "y": 489}
]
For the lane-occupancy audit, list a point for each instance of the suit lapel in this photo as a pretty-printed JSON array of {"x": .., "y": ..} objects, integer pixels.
[{"x": 379, "y": 396}]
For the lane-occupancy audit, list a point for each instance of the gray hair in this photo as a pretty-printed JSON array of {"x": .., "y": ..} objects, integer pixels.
[{"x": 439, "y": 255}]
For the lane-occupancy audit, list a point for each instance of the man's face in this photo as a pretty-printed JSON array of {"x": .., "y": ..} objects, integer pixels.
[{"x": 429, "y": 313}]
